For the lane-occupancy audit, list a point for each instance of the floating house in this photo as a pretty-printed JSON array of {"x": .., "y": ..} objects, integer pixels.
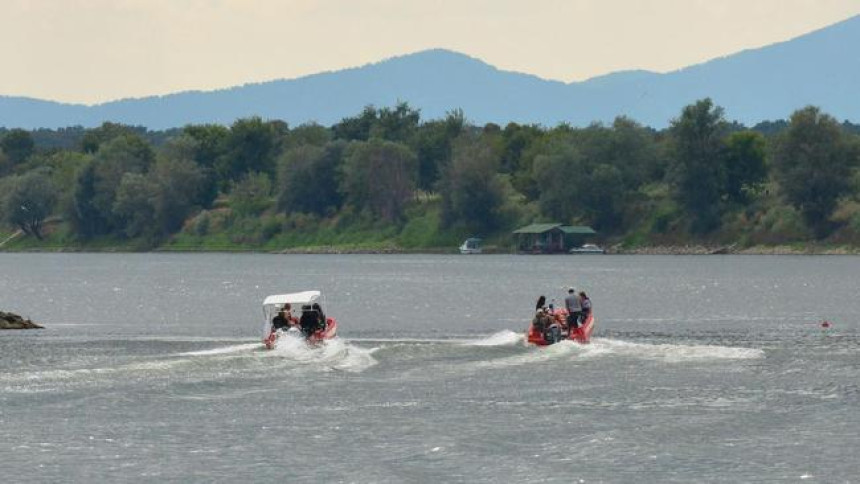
[{"x": 551, "y": 238}]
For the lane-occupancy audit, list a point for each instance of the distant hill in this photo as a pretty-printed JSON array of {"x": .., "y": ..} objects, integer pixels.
[{"x": 821, "y": 68}]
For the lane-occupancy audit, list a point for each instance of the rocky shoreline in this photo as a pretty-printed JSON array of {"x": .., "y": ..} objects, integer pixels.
[
  {"x": 692, "y": 249},
  {"x": 731, "y": 249},
  {"x": 13, "y": 321}
]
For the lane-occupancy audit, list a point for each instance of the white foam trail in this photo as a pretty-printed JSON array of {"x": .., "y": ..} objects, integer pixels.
[
  {"x": 334, "y": 354},
  {"x": 668, "y": 352},
  {"x": 223, "y": 350},
  {"x": 534, "y": 355},
  {"x": 502, "y": 338}
]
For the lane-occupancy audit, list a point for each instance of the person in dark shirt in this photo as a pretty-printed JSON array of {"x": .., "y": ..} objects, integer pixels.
[
  {"x": 586, "y": 305},
  {"x": 574, "y": 309},
  {"x": 283, "y": 320}
]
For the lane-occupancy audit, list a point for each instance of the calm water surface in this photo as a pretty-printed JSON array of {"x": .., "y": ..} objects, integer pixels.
[{"x": 703, "y": 369}]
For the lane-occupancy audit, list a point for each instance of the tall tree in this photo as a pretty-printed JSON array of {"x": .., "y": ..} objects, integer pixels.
[
  {"x": 97, "y": 183},
  {"x": 252, "y": 146},
  {"x": 95, "y": 137},
  {"x": 307, "y": 179},
  {"x": 211, "y": 142},
  {"x": 398, "y": 124},
  {"x": 432, "y": 143},
  {"x": 18, "y": 145},
  {"x": 745, "y": 168},
  {"x": 558, "y": 176},
  {"x": 813, "y": 161},
  {"x": 473, "y": 191},
  {"x": 252, "y": 194},
  {"x": 29, "y": 200},
  {"x": 379, "y": 176},
  {"x": 696, "y": 173},
  {"x": 356, "y": 128}
]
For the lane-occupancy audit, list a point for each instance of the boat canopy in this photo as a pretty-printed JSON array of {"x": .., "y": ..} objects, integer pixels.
[{"x": 296, "y": 298}]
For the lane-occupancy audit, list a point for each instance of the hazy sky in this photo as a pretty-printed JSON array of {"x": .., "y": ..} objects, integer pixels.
[{"x": 98, "y": 50}]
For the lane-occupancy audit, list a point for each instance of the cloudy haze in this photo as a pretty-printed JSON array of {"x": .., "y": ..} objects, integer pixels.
[{"x": 98, "y": 50}]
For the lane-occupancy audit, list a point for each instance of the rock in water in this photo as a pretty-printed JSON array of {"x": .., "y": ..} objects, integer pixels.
[{"x": 13, "y": 321}]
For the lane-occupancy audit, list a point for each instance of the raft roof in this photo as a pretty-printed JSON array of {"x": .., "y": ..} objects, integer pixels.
[{"x": 567, "y": 229}]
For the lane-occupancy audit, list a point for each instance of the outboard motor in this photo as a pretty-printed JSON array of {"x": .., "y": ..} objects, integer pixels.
[{"x": 552, "y": 334}]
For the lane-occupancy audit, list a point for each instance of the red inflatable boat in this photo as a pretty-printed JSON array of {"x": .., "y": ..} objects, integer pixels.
[
  {"x": 554, "y": 329},
  {"x": 310, "y": 324}
]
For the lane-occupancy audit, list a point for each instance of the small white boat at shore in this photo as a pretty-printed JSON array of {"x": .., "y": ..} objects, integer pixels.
[
  {"x": 471, "y": 246},
  {"x": 587, "y": 249}
]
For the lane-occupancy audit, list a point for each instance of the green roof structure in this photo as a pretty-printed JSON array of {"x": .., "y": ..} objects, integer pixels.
[
  {"x": 577, "y": 229},
  {"x": 568, "y": 229},
  {"x": 536, "y": 228},
  {"x": 551, "y": 238}
]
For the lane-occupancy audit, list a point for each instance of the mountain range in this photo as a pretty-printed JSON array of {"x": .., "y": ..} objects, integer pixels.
[{"x": 821, "y": 68}]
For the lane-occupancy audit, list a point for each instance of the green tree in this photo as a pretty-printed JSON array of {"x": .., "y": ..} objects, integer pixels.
[
  {"x": 473, "y": 191},
  {"x": 433, "y": 143},
  {"x": 5, "y": 164},
  {"x": 558, "y": 176},
  {"x": 602, "y": 195},
  {"x": 92, "y": 211},
  {"x": 308, "y": 134},
  {"x": 210, "y": 142},
  {"x": 398, "y": 124},
  {"x": 181, "y": 189},
  {"x": 695, "y": 172},
  {"x": 356, "y": 128},
  {"x": 253, "y": 146},
  {"x": 813, "y": 161},
  {"x": 28, "y": 201},
  {"x": 379, "y": 176},
  {"x": 18, "y": 145},
  {"x": 307, "y": 179},
  {"x": 134, "y": 203},
  {"x": 186, "y": 147},
  {"x": 156, "y": 204},
  {"x": 251, "y": 195},
  {"x": 95, "y": 137},
  {"x": 745, "y": 168}
]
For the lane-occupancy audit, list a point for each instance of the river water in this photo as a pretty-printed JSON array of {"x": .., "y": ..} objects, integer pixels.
[{"x": 702, "y": 369}]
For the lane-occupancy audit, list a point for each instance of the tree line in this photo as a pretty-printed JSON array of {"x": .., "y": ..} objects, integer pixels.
[{"x": 704, "y": 177}]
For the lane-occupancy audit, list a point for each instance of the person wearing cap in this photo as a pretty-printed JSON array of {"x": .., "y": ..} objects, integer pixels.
[{"x": 573, "y": 304}]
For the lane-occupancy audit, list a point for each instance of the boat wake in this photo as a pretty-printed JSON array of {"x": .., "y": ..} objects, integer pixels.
[
  {"x": 671, "y": 353},
  {"x": 502, "y": 338},
  {"x": 605, "y": 348},
  {"x": 247, "y": 360},
  {"x": 225, "y": 350},
  {"x": 333, "y": 354}
]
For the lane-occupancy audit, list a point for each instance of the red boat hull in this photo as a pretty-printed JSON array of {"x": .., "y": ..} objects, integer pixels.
[
  {"x": 318, "y": 336},
  {"x": 582, "y": 334}
]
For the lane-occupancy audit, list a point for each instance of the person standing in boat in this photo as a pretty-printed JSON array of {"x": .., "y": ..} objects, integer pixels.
[
  {"x": 541, "y": 318},
  {"x": 573, "y": 304},
  {"x": 586, "y": 305}
]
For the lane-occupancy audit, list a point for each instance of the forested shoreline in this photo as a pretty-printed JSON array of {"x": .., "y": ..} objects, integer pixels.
[{"x": 386, "y": 180}]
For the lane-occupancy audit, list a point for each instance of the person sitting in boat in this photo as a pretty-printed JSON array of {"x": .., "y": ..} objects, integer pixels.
[
  {"x": 322, "y": 320},
  {"x": 541, "y": 303},
  {"x": 586, "y": 305},
  {"x": 573, "y": 304},
  {"x": 310, "y": 320},
  {"x": 283, "y": 320}
]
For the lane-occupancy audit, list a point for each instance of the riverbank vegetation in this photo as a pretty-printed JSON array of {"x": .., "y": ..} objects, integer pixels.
[{"x": 385, "y": 179}]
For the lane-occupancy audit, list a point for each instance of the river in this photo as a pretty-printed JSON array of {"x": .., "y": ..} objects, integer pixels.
[{"x": 701, "y": 369}]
